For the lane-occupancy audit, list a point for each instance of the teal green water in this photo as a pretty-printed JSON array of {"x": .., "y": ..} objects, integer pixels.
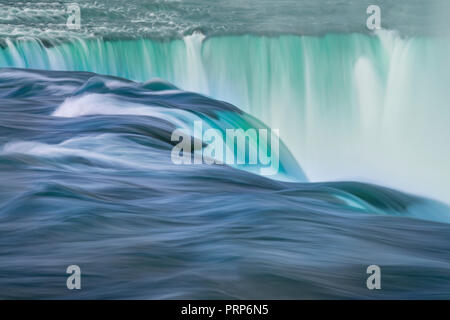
[
  {"x": 349, "y": 106},
  {"x": 88, "y": 178}
]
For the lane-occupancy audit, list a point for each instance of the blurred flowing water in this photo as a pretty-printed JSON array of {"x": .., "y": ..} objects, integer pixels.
[
  {"x": 371, "y": 108},
  {"x": 86, "y": 177},
  {"x": 91, "y": 183}
]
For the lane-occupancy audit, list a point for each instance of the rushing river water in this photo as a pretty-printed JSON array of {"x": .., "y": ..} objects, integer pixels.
[{"x": 86, "y": 176}]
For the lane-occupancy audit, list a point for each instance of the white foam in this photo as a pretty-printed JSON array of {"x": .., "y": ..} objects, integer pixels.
[
  {"x": 106, "y": 148},
  {"x": 108, "y": 104}
]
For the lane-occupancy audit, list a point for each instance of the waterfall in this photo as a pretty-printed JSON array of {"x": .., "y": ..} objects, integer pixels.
[{"x": 371, "y": 108}]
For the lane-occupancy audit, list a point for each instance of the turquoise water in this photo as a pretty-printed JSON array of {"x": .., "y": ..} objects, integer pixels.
[
  {"x": 377, "y": 105},
  {"x": 87, "y": 178}
]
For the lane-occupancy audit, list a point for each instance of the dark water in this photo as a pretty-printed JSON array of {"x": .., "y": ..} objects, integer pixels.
[{"x": 86, "y": 178}]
